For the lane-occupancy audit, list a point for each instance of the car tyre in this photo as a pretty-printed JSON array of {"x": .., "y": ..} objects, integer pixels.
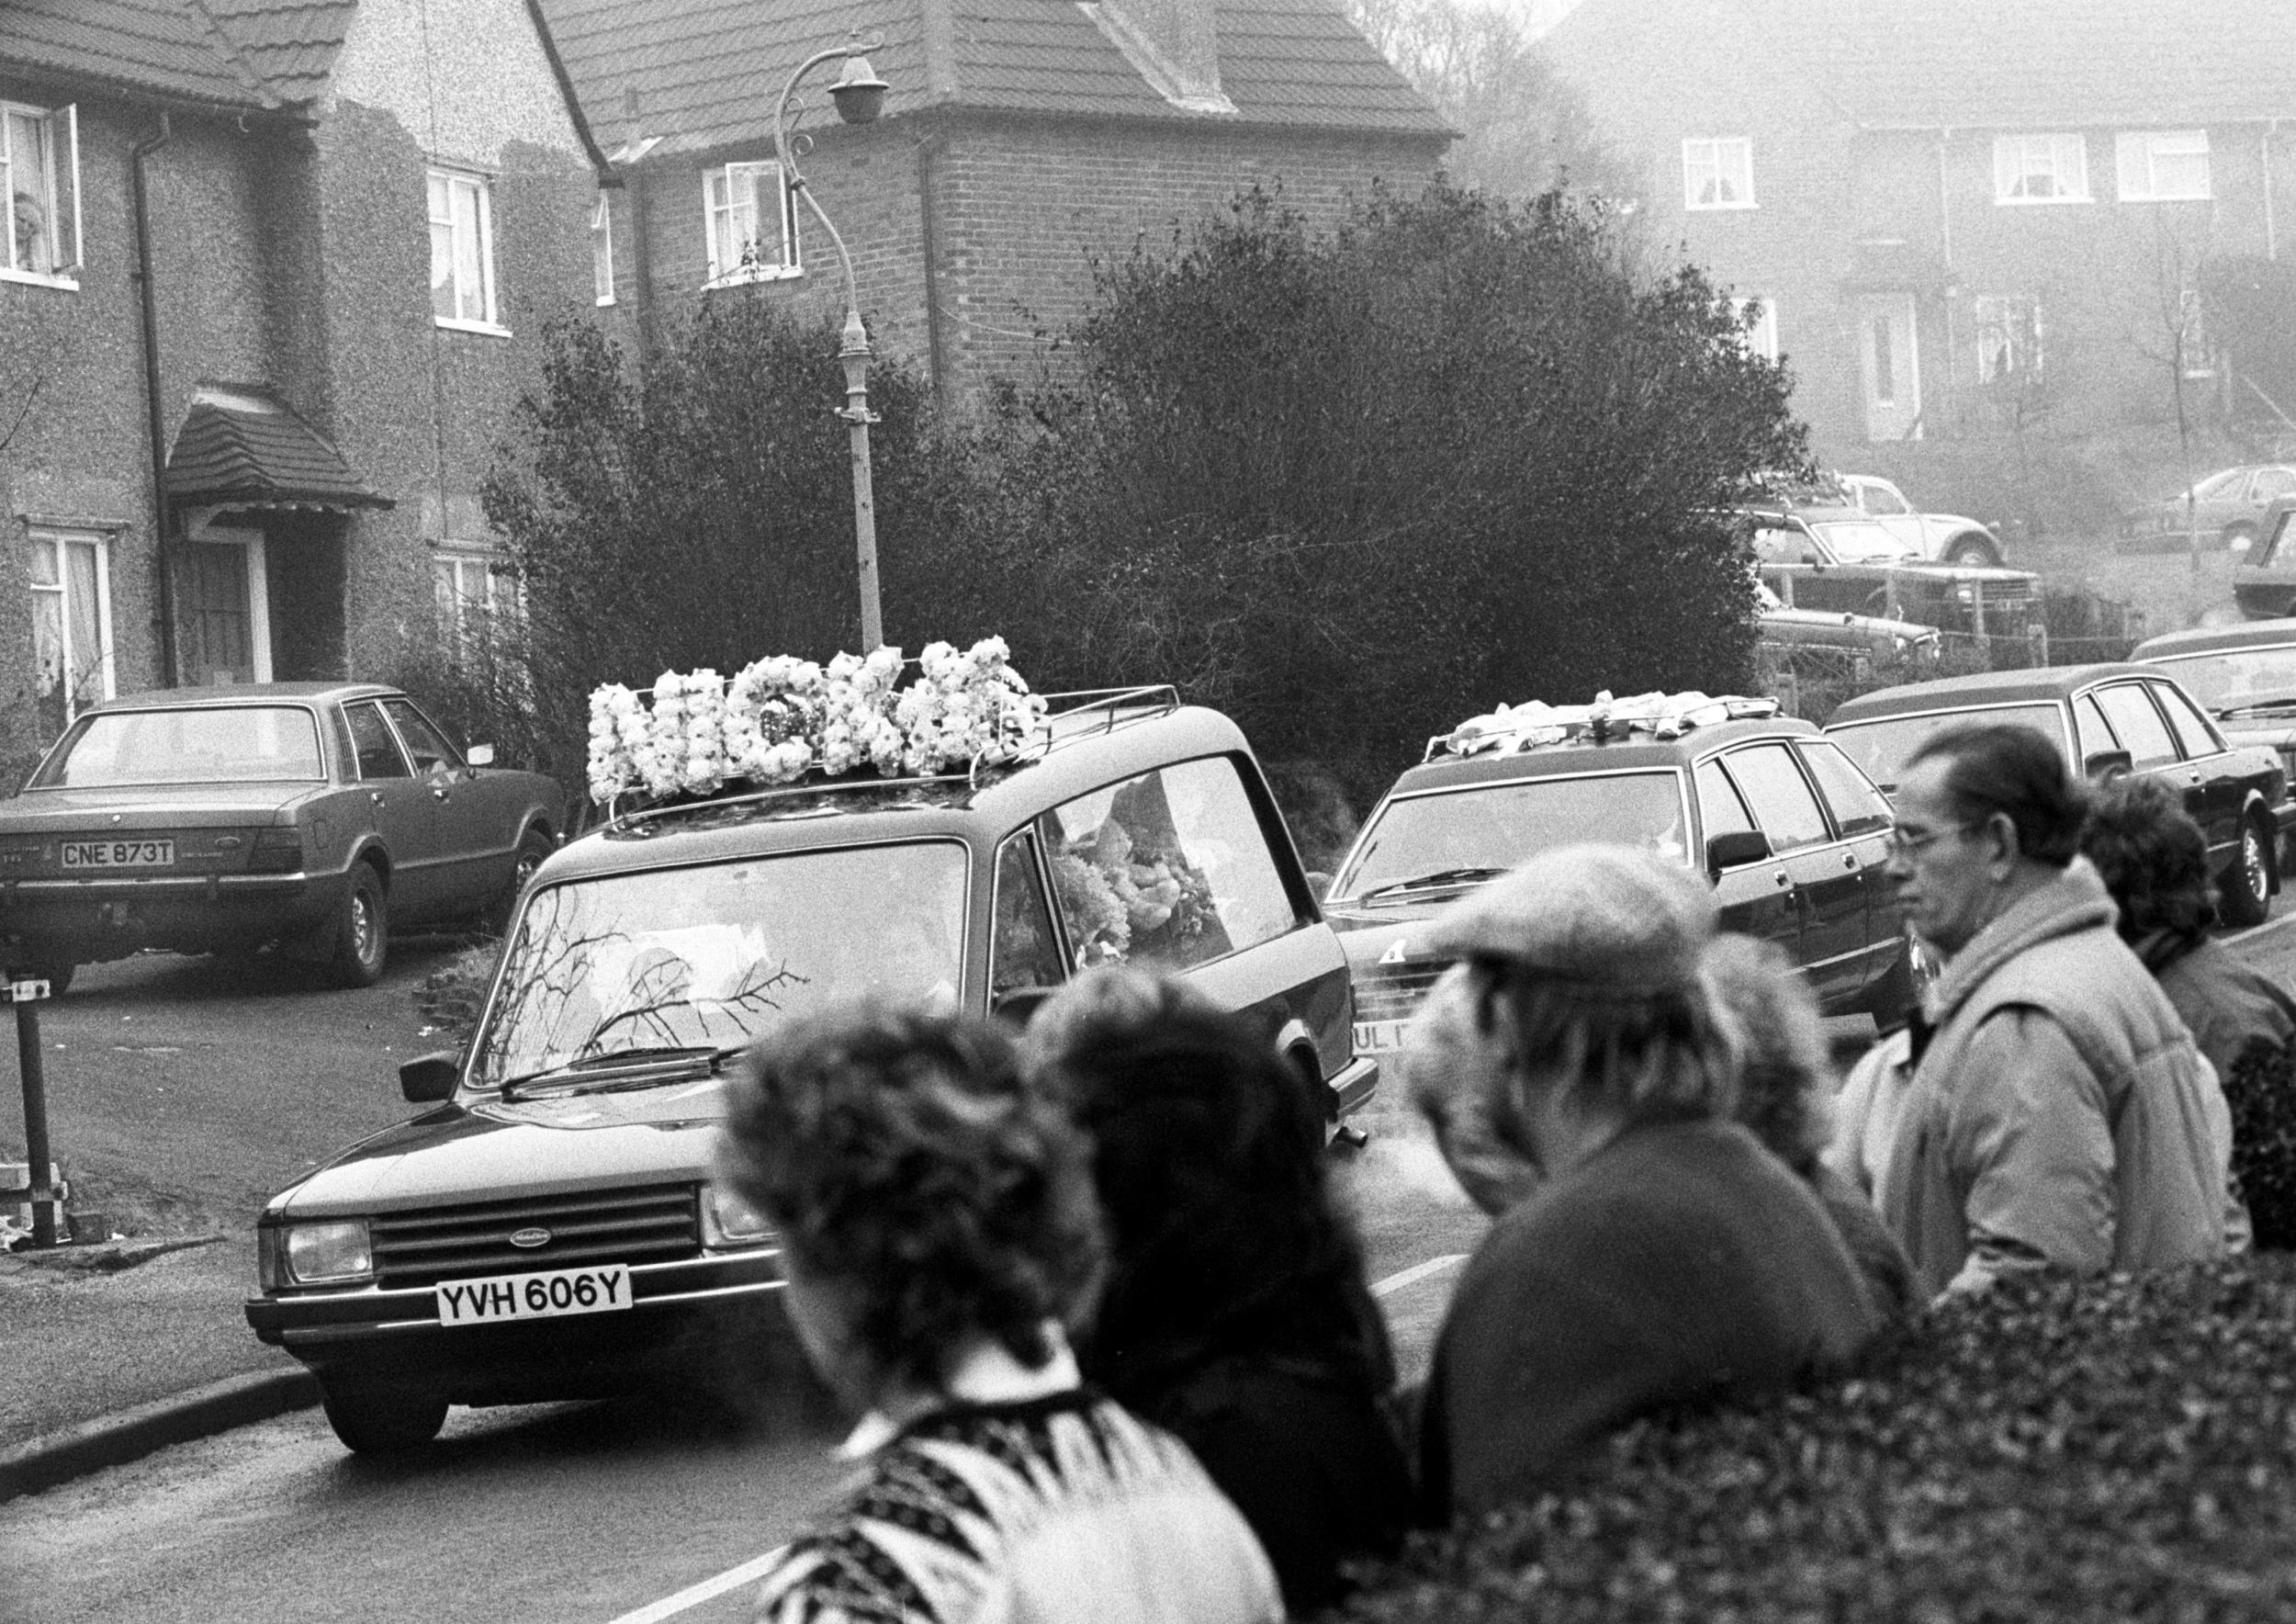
[
  {"x": 382, "y": 1420},
  {"x": 534, "y": 850},
  {"x": 2248, "y": 889},
  {"x": 1972, "y": 552},
  {"x": 362, "y": 931}
]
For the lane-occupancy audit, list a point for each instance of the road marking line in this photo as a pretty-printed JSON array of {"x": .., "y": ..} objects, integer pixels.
[
  {"x": 2258, "y": 930},
  {"x": 693, "y": 1596},
  {"x": 1396, "y": 1282}
]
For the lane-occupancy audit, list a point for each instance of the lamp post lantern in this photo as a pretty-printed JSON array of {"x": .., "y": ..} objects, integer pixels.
[{"x": 859, "y": 95}]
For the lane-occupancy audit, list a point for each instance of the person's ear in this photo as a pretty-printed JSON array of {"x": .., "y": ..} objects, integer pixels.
[{"x": 1999, "y": 835}]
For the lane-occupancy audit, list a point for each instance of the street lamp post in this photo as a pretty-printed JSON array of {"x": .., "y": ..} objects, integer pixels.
[{"x": 859, "y": 95}]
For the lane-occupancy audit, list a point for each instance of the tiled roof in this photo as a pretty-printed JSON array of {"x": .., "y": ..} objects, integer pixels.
[
  {"x": 1975, "y": 64},
  {"x": 697, "y": 74},
  {"x": 240, "y": 53},
  {"x": 242, "y": 444}
]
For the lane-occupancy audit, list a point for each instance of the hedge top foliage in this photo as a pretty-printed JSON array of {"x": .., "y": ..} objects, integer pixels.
[{"x": 2103, "y": 1449}]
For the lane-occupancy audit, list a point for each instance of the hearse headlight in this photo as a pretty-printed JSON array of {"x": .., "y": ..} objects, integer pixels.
[
  {"x": 728, "y": 1220},
  {"x": 326, "y": 1253}
]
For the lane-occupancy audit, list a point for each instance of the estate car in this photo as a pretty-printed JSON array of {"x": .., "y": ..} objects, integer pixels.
[
  {"x": 2245, "y": 676},
  {"x": 314, "y": 815},
  {"x": 1792, "y": 835},
  {"x": 2106, "y": 719},
  {"x": 547, "y": 1228}
]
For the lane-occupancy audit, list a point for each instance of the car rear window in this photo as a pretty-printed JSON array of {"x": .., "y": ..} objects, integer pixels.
[
  {"x": 220, "y": 744},
  {"x": 2237, "y": 676},
  {"x": 1497, "y": 826},
  {"x": 1882, "y": 747}
]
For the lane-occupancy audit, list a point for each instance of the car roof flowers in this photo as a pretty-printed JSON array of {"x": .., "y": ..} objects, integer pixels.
[
  {"x": 1535, "y": 722},
  {"x": 778, "y": 719}
]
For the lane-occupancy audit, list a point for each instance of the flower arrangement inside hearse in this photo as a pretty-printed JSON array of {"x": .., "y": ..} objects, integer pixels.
[
  {"x": 1534, "y": 722},
  {"x": 778, "y": 719}
]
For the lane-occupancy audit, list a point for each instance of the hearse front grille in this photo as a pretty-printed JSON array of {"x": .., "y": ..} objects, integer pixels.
[
  {"x": 1392, "y": 992},
  {"x": 651, "y": 1224}
]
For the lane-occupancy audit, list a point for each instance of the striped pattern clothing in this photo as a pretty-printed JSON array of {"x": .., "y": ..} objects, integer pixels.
[{"x": 1061, "y": 1509}]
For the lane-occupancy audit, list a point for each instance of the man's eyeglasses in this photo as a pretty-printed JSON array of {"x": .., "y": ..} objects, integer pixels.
[{"x": 1911, "y": 843}]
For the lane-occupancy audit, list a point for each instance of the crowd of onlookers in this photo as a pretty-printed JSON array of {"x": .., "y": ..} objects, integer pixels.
[{"x": 1109, "y": 1332}]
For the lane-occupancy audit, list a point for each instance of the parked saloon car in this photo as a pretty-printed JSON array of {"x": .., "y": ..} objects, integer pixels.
[
  {"x": 2227, "y": 508},
  {"x": 1838, "y": 559},
  {"x": 2106, "y": 718},
  {"x": 1792, "y": 835},
  {"x": 547, "y": 1229},
  {"x": 317, "y": 816},
  {"x": 2245, "y": 676}
]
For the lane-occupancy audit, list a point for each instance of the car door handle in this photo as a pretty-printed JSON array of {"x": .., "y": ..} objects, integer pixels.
[
  {"x": 1784, "y": 878},
  {"x": 438, "y": 793},
  {"x": 374, "y": 795}
]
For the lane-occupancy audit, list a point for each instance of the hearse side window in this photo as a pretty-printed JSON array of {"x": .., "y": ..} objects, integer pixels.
[
  {"x": 1024, "y": 952},
  {"x": 1169, "y": 868},
  {"x": 1718, "y": 807},
  {"x": 2137, "y": 725},
  {"x": 377, "y": 752},
  {"x": 1857, "y": 806},
  {"x": 2193, "y": 732},
  {"x": 1779, "y": 796},
  {"x": 2090, "y": 730}
]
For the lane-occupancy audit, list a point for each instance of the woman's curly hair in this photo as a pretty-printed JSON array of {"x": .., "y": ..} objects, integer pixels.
[
  {"x": 2152, "y": 856},
  {"x": 1786, "y": 1081},
  {"x": 1225, "y": 1237},
  {"x": 903, "y": 1156}
]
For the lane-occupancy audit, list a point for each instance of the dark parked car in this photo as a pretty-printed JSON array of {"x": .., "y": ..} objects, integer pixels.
[
  {"x": 1817, "y": 636},
  {"x": 2107, "y": 719},
  {"x": 1792, "y": 836},
  {"x": 2264, "y": 580},
  {"x": 318, "y": 815},
  {"x": 2245, "y": 676},
  {"x": 2227, "y": 508},
  {"x": 1839, "y": 559},
  {"x": 547, "y": 1229}
]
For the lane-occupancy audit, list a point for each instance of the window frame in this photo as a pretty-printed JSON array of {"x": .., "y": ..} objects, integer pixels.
[
  {"x": 489, "y": 321},
  {"x": 602, "y": 249},
  {"x": 2019, "y": 333},
  {"x": 1713, "y": 148},
  {"x": 56, "y": 166},
  {"x": 359, "y": 774},
  {"x": 2131, "y": 147},
  {"x": 1733, "y": 761},
  {"x": 1752, "y": 339},
  {"x": 2108, "y": 695},
  {"x": 2012, "y": 160},
  {"x": 106, "y": 663},
  {"x": 500, "y": 609},
  {"x": 721, "y": 275}
]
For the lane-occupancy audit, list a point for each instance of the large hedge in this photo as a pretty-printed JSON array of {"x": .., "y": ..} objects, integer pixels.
[{"x": 2111, "y": 1449}]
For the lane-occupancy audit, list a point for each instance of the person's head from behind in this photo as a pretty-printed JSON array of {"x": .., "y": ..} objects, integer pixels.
[
  {"x": 1584, "y": 986},
  {"x": 931, "y": 1199},
  {"x": 1985, "y": 813},
  {"x": 1209, "y": 1156},
  {"x": 2152, "y": 857},
  {"x": 1785, "y": 1074}
]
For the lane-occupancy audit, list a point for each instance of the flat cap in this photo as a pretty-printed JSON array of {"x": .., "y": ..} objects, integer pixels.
[{"x": 1611, "y": 918}]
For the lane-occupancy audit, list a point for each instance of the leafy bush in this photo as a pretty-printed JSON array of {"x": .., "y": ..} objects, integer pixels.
[
  {"x": 2115, "y": 1448},
  {"x": 2262, "y": 1093},
  {"x": 450, "y": 998}
]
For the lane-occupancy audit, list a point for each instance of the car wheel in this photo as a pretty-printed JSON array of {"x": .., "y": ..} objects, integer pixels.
[
  {"x": 2248, "y": 889},
  {"x": 382, "y": 1420},
  {"x": 362, "y": 931},
  {"x": 1970, "y": 552},
  {"x": 534, "y": 849}
]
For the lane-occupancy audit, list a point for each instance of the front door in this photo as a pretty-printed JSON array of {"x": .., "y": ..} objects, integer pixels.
[
  {"x": 1890, "y": 361},
  {"x": 221, "y": 609}
]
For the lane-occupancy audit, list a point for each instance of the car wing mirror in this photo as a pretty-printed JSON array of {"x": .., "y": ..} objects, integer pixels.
[
  {"x": 1740, "y": 847},
  {"x": 428, "y": 1079},
  {"x": 479, "y": 755},
  {"x": 2105, "y": 765},
  {"x": 1018, "y": 1005}
]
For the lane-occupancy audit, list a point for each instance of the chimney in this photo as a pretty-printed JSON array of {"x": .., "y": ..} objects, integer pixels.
[{"x": 1174, "y": 44}]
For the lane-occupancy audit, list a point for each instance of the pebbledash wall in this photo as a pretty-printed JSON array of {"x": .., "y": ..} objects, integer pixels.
[
  {"x": 1018, "y": 211},
  {"x": 293, "y": 254}
]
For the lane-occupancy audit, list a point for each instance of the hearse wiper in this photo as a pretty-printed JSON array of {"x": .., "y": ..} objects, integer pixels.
[
  {"x": 623, "y": 1067},
  {"x": 1442, "y": 877}
]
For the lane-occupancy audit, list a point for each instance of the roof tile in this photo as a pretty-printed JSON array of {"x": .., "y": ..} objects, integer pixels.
[{"x": 243, "y": 53}]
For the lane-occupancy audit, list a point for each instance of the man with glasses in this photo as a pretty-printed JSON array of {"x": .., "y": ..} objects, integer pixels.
[{"x": 2058, "y": 1114}]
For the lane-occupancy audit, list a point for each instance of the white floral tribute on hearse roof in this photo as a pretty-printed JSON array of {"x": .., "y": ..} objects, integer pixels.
[
  {"x": 1533, "y": 723},
  {"x": 780, "y": 718}
]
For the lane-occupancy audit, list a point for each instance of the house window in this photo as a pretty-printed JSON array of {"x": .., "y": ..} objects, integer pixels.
[
  {"x": 72, "y": 624},
  {"x": 477, "y": 600},
  {"x": 752, "y": 223},
  {"x": 462, "y": 251},
  {"x": 602, "y": 250},
  {"x": 2163, "y": 165},
  {"x": 1759, "y": 320},
  {"x": 2009, "y": 340},
  {"x": 2039, "y": 169},
  {"x": 2195, "y": 353},
  {"x": 1719, "y": 174},
  {"x": 39, "y": 177}
]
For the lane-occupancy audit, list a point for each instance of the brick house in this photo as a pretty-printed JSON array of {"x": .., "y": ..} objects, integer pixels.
[
  {"x": 275, "y": 274},
  {"x": 1020, "y": 138},
  {"x": 1965, "y": 221}
]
